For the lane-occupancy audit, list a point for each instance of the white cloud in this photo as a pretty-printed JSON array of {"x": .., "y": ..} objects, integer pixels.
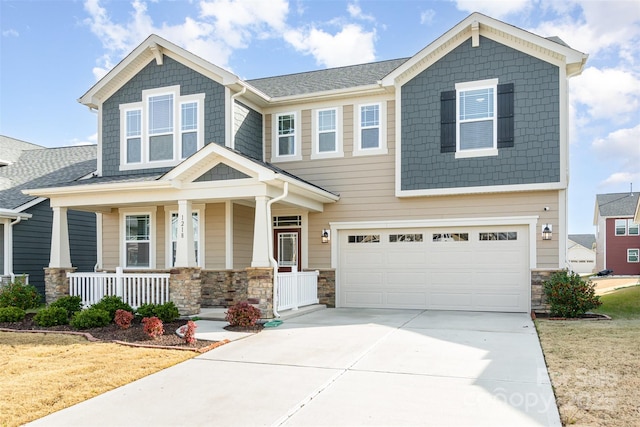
[
  {"x": 355, "y": 11},
  {"x": 351, "y": 45},
  {"x": 10, "y": 33},
  {"x": 609, "y": 93},
  {"x": 426, "y": 17},
  {"x": 495, "y": 8},
  {"x": 221, "y": 27},
  {"x": 622, "y": 148}
]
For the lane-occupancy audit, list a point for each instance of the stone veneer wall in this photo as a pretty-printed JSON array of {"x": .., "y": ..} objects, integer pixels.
[
  {"x": 327, "y": 288},
  {"x": 185, "y": 289},
  {"x": 260, "y": 290},
  {"x": 223, "y": 288},
  {"x": 538, "y": 299},
  {"x": 56, "y": 283}
]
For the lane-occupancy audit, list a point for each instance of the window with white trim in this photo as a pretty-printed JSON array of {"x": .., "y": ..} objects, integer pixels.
[
  {"x": 476, "y": 117},
  {"x": 633, "y": 229},
  {"x": 286, "y": 145},
  {"x": 633, "y": 255},
  {"x": 621, "y": 227},
  {"x": 326, "y": 126},
  {"x": 173, "y": 233},
  {"x": 162, "y": 129},
  {"x": 370, "y": 135},
  {"x": 137, "y": 241}
]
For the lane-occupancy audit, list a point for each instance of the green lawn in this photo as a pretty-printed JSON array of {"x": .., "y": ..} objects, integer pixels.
[{"x": 621, "y": 304}]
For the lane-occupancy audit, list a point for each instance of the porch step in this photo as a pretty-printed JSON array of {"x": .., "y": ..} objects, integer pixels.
[{"x": 218, "y": 313}]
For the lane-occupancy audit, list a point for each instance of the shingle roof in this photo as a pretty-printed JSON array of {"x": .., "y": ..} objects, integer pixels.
[
  {"x": 326, "y": 80},
  {"x": 11, "y": 149},
  {"x": 617, "y": 204},
  {"x": 586, "y": 240},
  {"x": 44, "y": 167}
]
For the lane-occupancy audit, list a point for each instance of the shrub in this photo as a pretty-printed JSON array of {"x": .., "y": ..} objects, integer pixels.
[
  {"x": 167, "y": 312},
  {"x": 153, "y": 327},
  {"x": 569, "y": 295},
  {"x": 123, "y": 318},
  {"x": 52, "y": 316},
  {"x": 11, "y": 314},
  {"x": 90, "y": 318},
  {"x": 243, "y": 314},
  {"x": 189, "y": 332},
  {"x": 111, "y": 304},
  {"x": 72, "y": 304},
  {"x": 18, "y": 294}
]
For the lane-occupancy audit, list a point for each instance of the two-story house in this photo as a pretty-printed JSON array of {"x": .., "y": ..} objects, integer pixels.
[
  {"x": 437, "y": 181},
  {"x": 25, "y": 221},
  {"x": 617, "y": 233}
]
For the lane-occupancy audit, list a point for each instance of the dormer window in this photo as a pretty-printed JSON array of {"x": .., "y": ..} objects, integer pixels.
[{"x": 161, "y": 130}]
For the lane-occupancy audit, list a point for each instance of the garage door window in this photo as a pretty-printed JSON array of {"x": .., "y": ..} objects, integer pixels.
[
  {"x": 368, "y": 238},
  {"x": 511, "y": 235},
  {"x": 451, "y": 237},
  {"x": 395, "y": 238}
]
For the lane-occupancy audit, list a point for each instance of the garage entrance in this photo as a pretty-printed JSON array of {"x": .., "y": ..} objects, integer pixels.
[{"x": 471, "y": 268}]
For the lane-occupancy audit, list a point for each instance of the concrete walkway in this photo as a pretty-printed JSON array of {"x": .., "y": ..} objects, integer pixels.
[{"x": 347, "y": 367}]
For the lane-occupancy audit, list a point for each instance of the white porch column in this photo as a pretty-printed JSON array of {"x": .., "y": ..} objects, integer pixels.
[
  {"x": 261, "y": 234},
  {"x": 185, "y": 249},
  {"x": 60, "y": 253}
]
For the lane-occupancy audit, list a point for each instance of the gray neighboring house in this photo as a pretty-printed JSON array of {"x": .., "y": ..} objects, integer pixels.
[
  {"x": 581, "y": 253},
  {"x": 25, "y": 221}
]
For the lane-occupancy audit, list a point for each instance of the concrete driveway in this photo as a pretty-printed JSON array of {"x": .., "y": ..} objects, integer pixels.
[{"x": 347, "y": 367}]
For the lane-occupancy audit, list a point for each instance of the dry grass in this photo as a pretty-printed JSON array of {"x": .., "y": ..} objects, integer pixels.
[
  {"x": 595, "y": 370},
  {"x": 44, "y": 373}
]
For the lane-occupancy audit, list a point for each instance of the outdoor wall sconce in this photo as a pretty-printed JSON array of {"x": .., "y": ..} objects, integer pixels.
[
  {"x": 546, "y": 232},
  {"x": 326, "y": 235}
]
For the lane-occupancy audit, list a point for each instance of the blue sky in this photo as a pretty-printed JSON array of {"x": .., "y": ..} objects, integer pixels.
[{"x": 53, "y": 51}]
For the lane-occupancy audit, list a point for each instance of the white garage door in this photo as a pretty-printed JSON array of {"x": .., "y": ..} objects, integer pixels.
[{"x": 472, "y": 268}]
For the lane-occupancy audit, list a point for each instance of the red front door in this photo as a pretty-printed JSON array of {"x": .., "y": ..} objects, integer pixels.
[{"x": 287, "y": 249}]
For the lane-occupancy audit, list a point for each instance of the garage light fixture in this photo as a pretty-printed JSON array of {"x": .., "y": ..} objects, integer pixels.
[
  {"x": 326, "y": 235},
  {"x": 546, "y": 232}
]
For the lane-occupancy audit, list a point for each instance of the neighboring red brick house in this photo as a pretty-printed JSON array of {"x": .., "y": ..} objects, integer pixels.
[{"x": 617, "y": 233}]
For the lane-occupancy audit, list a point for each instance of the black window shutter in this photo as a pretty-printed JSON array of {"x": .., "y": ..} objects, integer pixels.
[
  {"x": 448, "y": 121},
  {"x": 505, "y": 115}
]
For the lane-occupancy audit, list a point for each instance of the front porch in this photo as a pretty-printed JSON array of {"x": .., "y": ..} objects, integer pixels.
[
  {"x": 200, "y": 292},
  {"x": 208, "y": 224}
]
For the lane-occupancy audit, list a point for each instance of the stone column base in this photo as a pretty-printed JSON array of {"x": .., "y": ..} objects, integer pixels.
[
  {"x": 56, "y": 283},
  {"x": 260, "y": 289},
  {"x": 327, "y": 288},
  {"x": 539, "y": 302},
  {"x": 185, "y": 289}
]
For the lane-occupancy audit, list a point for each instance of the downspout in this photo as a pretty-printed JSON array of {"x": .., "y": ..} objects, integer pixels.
[
  {"x": 232, "y": 143},
  {"x": 10, "y": 251},
  {"x": 272, "y": 258}
]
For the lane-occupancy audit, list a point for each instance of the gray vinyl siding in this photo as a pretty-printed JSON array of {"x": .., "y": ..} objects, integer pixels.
[
  {"x": 32, "y": 242},
  {"x": 221, "y": 172},
  {"x": 248, "y": 131},
  {"x": 156, "y": 76},
  {"x": 535, "y": 157}
]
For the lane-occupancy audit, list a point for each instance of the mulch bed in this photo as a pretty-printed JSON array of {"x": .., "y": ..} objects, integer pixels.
[{"x": 133, "y": 336}]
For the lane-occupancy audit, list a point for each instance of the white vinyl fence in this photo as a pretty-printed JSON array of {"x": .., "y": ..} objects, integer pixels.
[
  {"x": 134, "y": 288},
  {"x": 297, "y": 289}
]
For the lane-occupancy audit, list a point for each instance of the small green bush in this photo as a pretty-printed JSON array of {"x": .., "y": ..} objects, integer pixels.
[
  {"x": 243, "y": 314},
  {"x": 111, "y": 304},
  {"x": 18, "y": 294},
  {"x": 569, "y": 295},
  {"x": 167, "y": 312},
  {"x": 11, "y": 314},
  {"x": 72, "y": 304},
  {"x": 52, "y": 316},
  {"x": 90, "y": 318}
]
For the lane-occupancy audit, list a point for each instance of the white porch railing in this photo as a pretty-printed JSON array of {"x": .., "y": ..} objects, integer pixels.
[
  {"x": 297, "y": 289},
  {"x": 134, "y": 288}
]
